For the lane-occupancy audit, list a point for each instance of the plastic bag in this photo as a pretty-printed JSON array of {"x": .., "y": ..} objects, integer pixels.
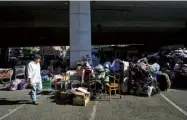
[
  {"x": 21, "y": 86},
  {"x": 124, "y": 85},
  {"x": 149, "y": 90},
  {"x": 41, "y": 85},
  {"x": 115, "y": 65},
  {"x": 99, "y": 68},
  {"x": 155, "y": 67},
  {"x": 101, "y": 75},
  {"x": 13, "y": 85},
  {"x": 126, "y": 65},
  {"x": 107, "y": 65}
]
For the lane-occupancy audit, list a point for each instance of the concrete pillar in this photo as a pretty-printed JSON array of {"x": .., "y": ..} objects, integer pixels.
[{"x": 80, "y": 31}]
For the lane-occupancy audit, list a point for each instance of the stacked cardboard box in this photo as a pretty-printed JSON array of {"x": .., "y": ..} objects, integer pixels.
[{"x": 81, "y": 96}]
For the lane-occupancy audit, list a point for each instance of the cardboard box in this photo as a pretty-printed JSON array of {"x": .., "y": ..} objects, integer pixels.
[
  {"x": 83, "y": 90},
  {"x": 66, "y": 97},
  {"x": 81, "y": 99}
]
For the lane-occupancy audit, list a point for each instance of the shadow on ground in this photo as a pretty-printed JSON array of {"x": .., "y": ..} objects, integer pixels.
[
  {"x": 4, "y": 101},
  {"x": 46, "y": 92},
  {"x": 4, "y": 89},
  {"x": 60, "y": 101},
  {"x": 182, "y": 89}
]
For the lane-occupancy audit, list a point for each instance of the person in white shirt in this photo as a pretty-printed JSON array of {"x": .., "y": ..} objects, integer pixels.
[{"x": 34, "y": 77}]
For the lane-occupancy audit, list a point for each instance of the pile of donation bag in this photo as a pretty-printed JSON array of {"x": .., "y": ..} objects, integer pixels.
[{"x": 18, "y": 84}]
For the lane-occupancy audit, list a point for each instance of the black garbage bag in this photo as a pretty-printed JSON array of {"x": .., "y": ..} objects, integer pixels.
[{"x": 180, "y": 80}]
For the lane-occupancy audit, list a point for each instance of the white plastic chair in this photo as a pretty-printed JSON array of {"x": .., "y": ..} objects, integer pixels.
[{"x": 20, "y": 71}]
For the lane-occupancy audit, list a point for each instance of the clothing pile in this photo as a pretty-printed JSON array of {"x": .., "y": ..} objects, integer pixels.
[
  {"x": 141, "y": 81},
  {"x": 180, "y": 73},
  {"x": 176, "y": 67},
  {"x": 178, "y": 54},
  {"x": 99, "y": 71}
]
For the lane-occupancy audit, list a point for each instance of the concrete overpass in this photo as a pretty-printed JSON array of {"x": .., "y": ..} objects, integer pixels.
[
  {"x": 25, "y": 21},
  {"x": 49, "y": 23}
]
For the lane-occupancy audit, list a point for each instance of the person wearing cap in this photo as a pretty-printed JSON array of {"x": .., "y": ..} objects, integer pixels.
[{"x": 34, "y": 77}]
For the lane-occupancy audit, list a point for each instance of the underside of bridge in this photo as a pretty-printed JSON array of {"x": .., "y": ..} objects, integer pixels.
[
  {"x": 47, "y": 23},
  {"x": 12, "y": 37}
]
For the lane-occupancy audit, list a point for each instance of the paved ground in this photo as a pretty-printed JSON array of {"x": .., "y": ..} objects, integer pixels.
[{"x": 15, "y": 105}]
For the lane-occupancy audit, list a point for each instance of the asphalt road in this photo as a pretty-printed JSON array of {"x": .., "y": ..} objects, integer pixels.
[{"x": 16, "y": 105}]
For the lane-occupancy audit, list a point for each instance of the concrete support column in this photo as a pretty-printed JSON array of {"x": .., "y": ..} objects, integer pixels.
[{"x": 80, "y": 31}]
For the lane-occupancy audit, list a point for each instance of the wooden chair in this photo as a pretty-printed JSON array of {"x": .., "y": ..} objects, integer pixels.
[
  {"x": 113, "y": 85},
  {"x": 93, "y": 88}
]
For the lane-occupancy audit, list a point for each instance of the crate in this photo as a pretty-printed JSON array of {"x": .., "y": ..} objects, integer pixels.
[
  {"x": 46, "y": 79},
  {"x": 47, "y": 87},
  {"x": 46, "y": 83}
]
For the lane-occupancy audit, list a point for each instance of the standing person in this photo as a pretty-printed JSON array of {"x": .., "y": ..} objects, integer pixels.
[{"x": 34, "y": 77}]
